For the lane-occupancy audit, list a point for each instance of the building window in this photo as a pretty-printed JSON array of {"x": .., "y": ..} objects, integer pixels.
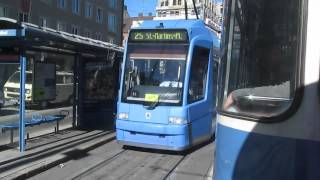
[
  {"x": 3, "y": 12},
  {"x": 179, "y": 2},
  {"x": 88, "y": 10},
  {"x": 166, "y": 3},
  {"x": 111, "y": 40},
  {"x": 177, "y": 13},
  {"x": 43, "y": 22},
  {"x": 23, "y": 17},
  {"x": 174, "y": 2},
  {"x": 113, "y": 3},
  {"x": 47, "y": 1},
  {"x": 62, "y": 4},
  {"x": 98, "y": 36},
  {"x": 112, "y": 23},
  {"x": 76, "y": 6},
  {"x": 171, "y": 13},
  {"x": 61, "y": 26},
  {"x": 87, "y": 33},
  {"x": 164, "y": 14},
  {"x": 75, "y": 30},
  {"x": 99, "y": 15}
]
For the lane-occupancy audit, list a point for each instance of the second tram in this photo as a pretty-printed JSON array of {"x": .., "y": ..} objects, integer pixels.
[
  {"x": 169, "y": 79},
  {"x": 268, "y": 120}
]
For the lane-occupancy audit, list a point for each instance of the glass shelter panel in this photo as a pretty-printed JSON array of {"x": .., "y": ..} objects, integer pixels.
[
  {"x": 98, "y": 93},
  {"x": 99, "y": 83},
  {"x": 9, "y": 95},
  {"x": 48, "y": 94},
  {"x": 263, "y": 58},
  {"x": 51, "y": 91}
]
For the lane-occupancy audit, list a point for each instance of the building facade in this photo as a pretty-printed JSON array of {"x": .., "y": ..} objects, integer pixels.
[
  {"x": 129, "y": 22},
  {"x": 96, "y": 19},
  {"x": 208, "y": 10},
  {"x": 218, "y": 14},
  {"x": 175, "y": 9}
]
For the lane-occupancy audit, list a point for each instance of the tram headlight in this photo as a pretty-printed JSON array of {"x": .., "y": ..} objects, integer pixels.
[
  {"x": 177, "y": 120},
  {"x": 123, "y": 116}
]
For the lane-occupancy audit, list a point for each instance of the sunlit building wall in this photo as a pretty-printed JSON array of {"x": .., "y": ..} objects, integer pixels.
[
  {"x": 175, "y": 9},
  {"x": 208, "y": 10}
]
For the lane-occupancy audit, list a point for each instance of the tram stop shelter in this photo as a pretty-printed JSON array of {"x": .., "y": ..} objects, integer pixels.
[{"x": 62, "y": 76}]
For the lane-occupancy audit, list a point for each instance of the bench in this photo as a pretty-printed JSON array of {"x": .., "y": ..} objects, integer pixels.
[{"x": 36, "y": 119}]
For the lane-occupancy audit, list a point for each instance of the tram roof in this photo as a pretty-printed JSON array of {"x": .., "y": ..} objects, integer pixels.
[
  {"x": 172, "y": 24},
  {"x": 13, "y": 33}
]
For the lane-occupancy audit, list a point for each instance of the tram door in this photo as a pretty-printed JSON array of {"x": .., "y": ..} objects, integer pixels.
[{"x": 98, "y": 94}]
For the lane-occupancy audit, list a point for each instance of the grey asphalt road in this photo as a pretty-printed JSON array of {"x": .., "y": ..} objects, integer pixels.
[{"x": 111, "y": 161}]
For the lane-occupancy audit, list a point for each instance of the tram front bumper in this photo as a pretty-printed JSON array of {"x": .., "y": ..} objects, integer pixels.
[{"x": 155, "y": 136}]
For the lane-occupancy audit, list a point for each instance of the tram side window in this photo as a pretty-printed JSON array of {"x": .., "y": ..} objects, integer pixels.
[
  {"x": 263, "y": 58},
  {"x": 198, "y": 74}
]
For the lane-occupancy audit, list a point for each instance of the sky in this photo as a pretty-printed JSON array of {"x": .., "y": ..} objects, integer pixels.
[{"x": 136, "y": 6}]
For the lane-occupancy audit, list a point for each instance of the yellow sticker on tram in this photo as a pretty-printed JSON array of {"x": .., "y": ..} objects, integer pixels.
[{"x": 151, "y": 97}]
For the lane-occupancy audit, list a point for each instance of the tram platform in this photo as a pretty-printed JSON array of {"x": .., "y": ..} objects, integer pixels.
[
  {"x": 47, "y": 151},
  {"x": 74, "y": 151}
]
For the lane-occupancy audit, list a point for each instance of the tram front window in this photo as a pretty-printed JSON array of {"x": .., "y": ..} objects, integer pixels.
[
  {"x": 154, "y": 74},
  {"x": 263, "y": 58}
]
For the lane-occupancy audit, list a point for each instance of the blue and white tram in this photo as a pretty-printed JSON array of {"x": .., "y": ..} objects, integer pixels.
[
  {"x": 268, "y": 120},
  {"x": 166, "y": 99}
]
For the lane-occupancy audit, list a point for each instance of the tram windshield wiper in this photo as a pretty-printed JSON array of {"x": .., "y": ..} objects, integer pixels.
[
  {"x": 153, "y": 105},
  {"x": 164, "y": 98}
]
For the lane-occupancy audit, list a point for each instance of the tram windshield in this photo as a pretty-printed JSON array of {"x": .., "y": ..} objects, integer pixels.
[{"x": 154, "y": 74}]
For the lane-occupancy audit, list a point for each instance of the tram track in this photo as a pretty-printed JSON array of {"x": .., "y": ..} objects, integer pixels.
[
  {"x": 112, "y": 161},
  {"x": 97, "y": 166},
  {"x": 141, "y": 160},
  {"x": 167, "y": 177}
]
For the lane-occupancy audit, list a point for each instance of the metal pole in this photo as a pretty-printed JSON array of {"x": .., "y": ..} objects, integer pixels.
[
  {"x": 195, "y": 9},
  {"x": 22, "y": 103},
  {"x": 75, "y": 97},
  {"x": 186, "y": 9}
]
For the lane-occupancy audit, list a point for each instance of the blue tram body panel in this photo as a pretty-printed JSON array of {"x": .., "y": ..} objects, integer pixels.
[
  {"x": 246, "y": 155},
  {"x": 142, "y": 126}
]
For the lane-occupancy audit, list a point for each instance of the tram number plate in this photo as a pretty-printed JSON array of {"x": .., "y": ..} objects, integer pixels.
[{"x": 151, "y": 97}]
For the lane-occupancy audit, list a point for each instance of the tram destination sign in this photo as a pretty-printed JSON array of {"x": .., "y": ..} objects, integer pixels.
[{"x": 156, "y": 35}]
